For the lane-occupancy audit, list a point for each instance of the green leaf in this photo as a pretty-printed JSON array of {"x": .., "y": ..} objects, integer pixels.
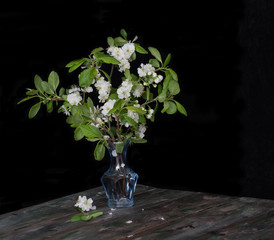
[
  {"x": 123, "y": 33},
  {"x": 131, "y": 121},
  {"x": 25, "y": 99},
  {"x": 90, "y": 104},
  {"x": 93, "y": 139},
  {"x": 117, "y": 106},
  {"x": 74, "y": 120},
  {"x": 99, "y": 151},
  {"x": 172, "y": 108},
  {"x": 95, "y": 50},
  {"x": 166, "y": 106},
  {"x": 90, "y": 131},
  {"x": 113, "y": 96},
  {"x": 181, "y": 108},
  {"x": 106, "y": 58},
  {"x": 160, "y": 89},
  {"x": 167, "y": 79},
  {"x": 167, "y": 61},
  {"x": 173, "y": 74},
  {"x": 140, "y": 49},
  {"x": 34, "y": 110},
  {"x": 135, "y": 39},
  {"x": 47, "y": 88},
  {"x": 119, "y": 41},
  {"x": 49, "y": 106},
  {"x": 138, "y": 140},
  {"x": 110, "y": 41},
  {"x": 76, "y": 218},
  {"x": 142, "y": 119},
  {"x": 32, "y": 92},
  {"x": 173, "y": 87},
  {"x": 91, "y": 215},
  {"x": 87, "y": 76},
  {"x": 162, "y": 97},
  {"x": 155, "y": 111},
  {"x": 154, "y": 52},
  {"x": 154, "y": 62},
  {"x": 53, "y": 80},
  {"x": 61, "y": 91},
  {"x": 137, "y": 110},
  {"x": 75, "y": 64},
  {"x": 119, "y": 147},
  {"x": 147, "y": 93},
  {"x": 127, "y": 74},
  {"x": 37, "y": 83},
  {"x": 106, "y": 75},
  {"x": 78, "y": 134}
]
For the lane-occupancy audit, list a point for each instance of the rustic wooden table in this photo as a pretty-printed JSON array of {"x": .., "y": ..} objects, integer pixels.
[{"x": 157, "y": 214}]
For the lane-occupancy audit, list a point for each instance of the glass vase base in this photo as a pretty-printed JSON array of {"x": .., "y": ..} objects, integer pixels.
[{"x": 122, "y": 203}]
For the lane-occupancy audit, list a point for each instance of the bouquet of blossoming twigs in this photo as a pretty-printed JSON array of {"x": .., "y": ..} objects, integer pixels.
[{"x": 102, "y": 109}]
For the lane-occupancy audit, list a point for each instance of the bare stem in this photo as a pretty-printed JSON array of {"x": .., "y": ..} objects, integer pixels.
[
  {"x": 59, "y": 99},
  {"x": 111, "y": 71},
  {"x": 118, "y": 127}
]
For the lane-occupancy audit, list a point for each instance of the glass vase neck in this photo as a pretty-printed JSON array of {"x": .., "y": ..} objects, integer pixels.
[{"x": 118, "y": 154}]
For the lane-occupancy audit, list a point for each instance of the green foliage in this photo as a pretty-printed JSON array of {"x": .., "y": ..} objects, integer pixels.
[
  {"x": 99, "y": 151},
  {"x": 119, "y": 147},
  {"x": 87, "y": 76},
  {"x": 140, "y": 49},
  {"x": 90, "y": 131},
  {"x": 167, "y": 61},
  {"x": 34, "y": 110},
  {"x": 154, "y": 52},
  {"x": 130, "y": 110},
  {"x": 106, "y": 58},
  {"x": 53, "y": 80},
  {"x": 86, "y": 217},
  {"x": 73, "y": 65}
]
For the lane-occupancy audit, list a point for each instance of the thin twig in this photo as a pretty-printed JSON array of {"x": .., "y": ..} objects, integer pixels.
[
  {"x": 59, "y": 99},
  {"x": 118, "y": 127},
  {"x": 111, "y": 71}
]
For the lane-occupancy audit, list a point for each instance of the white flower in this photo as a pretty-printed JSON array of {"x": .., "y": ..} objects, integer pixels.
[
  {"x": 158, "y": 79},
  {"x": 80, "y": 201},
  {"x": 110, "y": 50},
  {"x": 145, "y": 70},
  {"x": 107, "y": 106},
  {"x": 74, "y": 98},
  {"x": 124, "y": 65},
  {"x": 117, "y": 53},
  {"x": 65, "y": 110},
  {"x": 114, "y": 153},
  {"x": 85, "y": 204},
  {"x": 103, "y": 88},
  {"x": 87, "y": 89},
  {"x": 74, "y": 88},
  {"x": 133, "y": 115},
  {"x": 141, "y": 131},
  {"x": 138, "y": 91},
  {"x": 150, "y": 112},
  {"x": 128, "y": 50},
  {"x": 124, "y": 90},
  {"x": 106, "y": 137}
]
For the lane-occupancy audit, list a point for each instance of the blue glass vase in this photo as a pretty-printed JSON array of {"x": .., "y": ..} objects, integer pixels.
[{"x": 119, "y": 181}]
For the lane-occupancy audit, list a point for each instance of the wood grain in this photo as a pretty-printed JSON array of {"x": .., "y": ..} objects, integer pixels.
[{"x": 157, "y": 214}]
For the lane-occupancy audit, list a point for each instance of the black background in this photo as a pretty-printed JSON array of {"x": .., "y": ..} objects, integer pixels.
[{"x": 223, "y": 52}]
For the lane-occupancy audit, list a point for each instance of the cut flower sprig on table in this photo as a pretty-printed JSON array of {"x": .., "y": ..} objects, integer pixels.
[
  {"x": 102, "y": 108},
  {"x": 84, "y": 205}
]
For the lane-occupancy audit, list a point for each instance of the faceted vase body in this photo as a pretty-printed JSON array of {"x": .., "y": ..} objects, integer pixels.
[{"x": 119, "y": 181}]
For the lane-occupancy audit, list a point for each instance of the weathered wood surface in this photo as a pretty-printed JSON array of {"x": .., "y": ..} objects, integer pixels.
[{"x": 157, "y": 214}]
